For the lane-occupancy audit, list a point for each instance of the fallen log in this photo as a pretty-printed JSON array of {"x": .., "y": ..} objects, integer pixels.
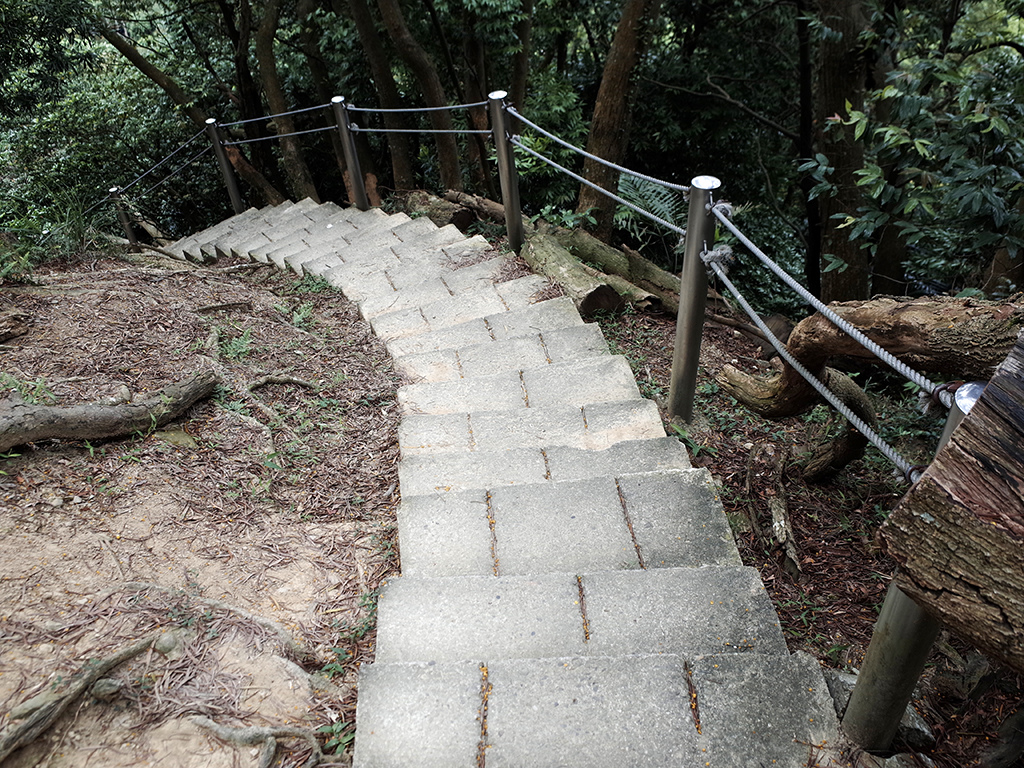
[
  {"x": 22, "y": 422},
  {"x": 13, "y": 323},
  {"x": 590, "y": 294},
  {"x": 965, "y": 338}
]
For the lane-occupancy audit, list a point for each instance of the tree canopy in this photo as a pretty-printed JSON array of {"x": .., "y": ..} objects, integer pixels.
[{"x": 874, "y": 145}]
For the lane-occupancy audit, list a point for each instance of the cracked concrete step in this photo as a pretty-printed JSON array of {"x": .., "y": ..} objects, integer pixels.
[
  {"x": 686, "y": 611},
  {"x": 577, "y": 383},
  {"x": 642, "y": 711},
  {"x": 487, "y": 300},
  {"x": 408, "y": 288},
  {"x": 561, "y": 345},
  {"x": 432, "y": 474},
  {"x": 536, "y": 318},
  {"x": 335, "y": 224},
  {"x": 200, "y": 246},
  {"x": 373, "y": 250},
  {"x": 593, "y": 427},
  {"x": 321, "y": 239},
  {"x": 217, "y": 230},
  {"x": 301, "y": 215},
  {"x": 663, "y": 519}
]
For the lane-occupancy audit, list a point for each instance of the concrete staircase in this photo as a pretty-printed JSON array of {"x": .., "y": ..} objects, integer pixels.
[{"x": 570, "y": 592}]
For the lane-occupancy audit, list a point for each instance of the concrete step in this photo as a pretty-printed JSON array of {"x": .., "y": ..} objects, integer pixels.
[
  {"x": 240, "y": 227},
  {"x": 486, "y": 300},
  {"x": 432, "y": 474},
  {"x": 561, "y": 345},
  {"x": 326, "y": 239},
  {"x": 334, "y": 225},
  {"x": 577, "y": 383},
  {"x": 663, "y": 519},
  {"x": 593, "y": 427},
  {"x": 536, "y": 318},
  {"x": 301, "y": 215},
  {"x": 217, "y": 230},
  {"x": 686, "y": 611},
  {"x": 641, "y": 711}
]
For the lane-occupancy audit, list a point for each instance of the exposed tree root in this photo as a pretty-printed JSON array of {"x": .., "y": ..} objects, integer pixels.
[
  {"x": 265, "y": 737},
  {"x": 36, "y": 723}
]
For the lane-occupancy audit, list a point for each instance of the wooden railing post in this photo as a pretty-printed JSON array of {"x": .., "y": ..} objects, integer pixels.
[
  {"x": 225, "y": 166},
  {"x": 693, "y": 291},
  {"x": 348, "y": 146},
  {"x": 506, "y": 170}
]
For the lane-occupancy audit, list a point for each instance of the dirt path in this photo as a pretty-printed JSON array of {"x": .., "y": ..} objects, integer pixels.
[{"x": 255, "y": 531}]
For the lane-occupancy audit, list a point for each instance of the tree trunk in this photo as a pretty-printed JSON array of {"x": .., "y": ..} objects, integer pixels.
[
  {"x": 295, "y": 169},
  {"x": 187, "y": 104},
  {"x": 841, "y": 80},
  {"x": 22, "y": 423},
  {"x": 957, "y": 534},
  {"x": 1006, "y": 272},
  {"x": 476, "y": 90},
  {"x": 387, "y": 92},
  {"x": 545, "y": 256},
  {"x": 426, "y": 74},
  {"x": 520, "y": 75},
  {"x": 610, "y": 125},
  {"x": 805, "y": 147}
]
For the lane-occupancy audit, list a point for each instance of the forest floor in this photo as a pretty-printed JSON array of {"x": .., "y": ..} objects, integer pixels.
[{"x": 259, "y": 528}]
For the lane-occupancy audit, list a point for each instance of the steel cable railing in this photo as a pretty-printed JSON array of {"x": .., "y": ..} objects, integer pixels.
[
  {"x": 936, "y": 390},
  {"x": 279, "y": 136},
  {"x": 173, "y": 173},
  {"x": 161, "y": 162},
  {"x": 418, "y": 109},
  {"x": 272, "y": 117}
]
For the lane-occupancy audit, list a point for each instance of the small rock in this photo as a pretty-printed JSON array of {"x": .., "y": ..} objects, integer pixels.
[
  {"x": 106, "y": 688},
  {"x": 169, "y": 643},
  {"x": 913, "y": 730}
]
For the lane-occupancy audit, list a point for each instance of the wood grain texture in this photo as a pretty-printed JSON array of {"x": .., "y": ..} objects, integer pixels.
[{"x": 959, "y": 533}]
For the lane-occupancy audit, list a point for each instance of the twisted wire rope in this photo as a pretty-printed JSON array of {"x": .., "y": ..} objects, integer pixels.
[
  {"x": 177, "y": 170},
  {"x": 944, "y": 396},
  {"x": 515, "y": 142},
  {"x": 357, "y": 129},
  {"x": 271, "y": 117},
  {"x": 379, "y": 110},
  {"x": 279, "y": 136},
  {"x": 621, "y": 169},
  {"x": 873, "y": 437},
  {"x": 141, "y": 176}
]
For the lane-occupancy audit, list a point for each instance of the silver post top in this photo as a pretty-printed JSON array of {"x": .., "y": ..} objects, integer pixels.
[
  {"x": 211, "y": 121},
  {"x": 497, "y": 94},
  {"x": 705, "y": 182},
  {"x": 114, "y": 190},
  {"x": 337, "y": 100}
]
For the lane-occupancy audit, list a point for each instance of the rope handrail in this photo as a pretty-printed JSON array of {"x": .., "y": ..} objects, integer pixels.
[
  {"x": 657, "y": 219},
  {"x": 278, "y": 136},
  {"x": 909, "y": 471},
  {"x": 607, "y": 163},
  {"x": 271, "y": 117},
  {"x": 141, "y": 176},
  {"x": 358, "y": 129},
  {"x": 381, "y": 110},
  {"x": 176, "y": 171},
  {"x": 936, "y": 390}
]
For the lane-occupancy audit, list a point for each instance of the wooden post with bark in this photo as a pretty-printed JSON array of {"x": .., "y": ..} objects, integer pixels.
[{"x": 958, "y": 533}]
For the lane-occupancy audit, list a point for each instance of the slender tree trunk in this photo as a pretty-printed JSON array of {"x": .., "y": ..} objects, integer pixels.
[
  {"x": 187, "y": 104},
  {"x": 841, "y": 80},
  {"x": 476, "y": 90},
  {"x": 426, "y": 74},
  {"x": 805, "y": 148},
  {"x": 610, "y": 125},
  {"x": 296, "y": 171},
  {"x": 520, "y": 74},
  {"x": 387, "y": 91}
]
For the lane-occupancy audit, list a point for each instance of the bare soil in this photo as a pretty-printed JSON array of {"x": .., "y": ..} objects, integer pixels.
[{"x": 257, "y": 529}]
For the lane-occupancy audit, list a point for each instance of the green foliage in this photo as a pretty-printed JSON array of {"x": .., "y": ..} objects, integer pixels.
[{"x": 37, "y": 392}]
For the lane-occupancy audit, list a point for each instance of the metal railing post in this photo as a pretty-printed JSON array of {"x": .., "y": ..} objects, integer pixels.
[
  {"x": 122, "y": 216},
  {"x": 693, "y": 291},
  {"x": 348, "y": 146},
  {"x": 225, "y": 166},
  {"x": 900, "y": 642},
  {"x": 506, "y": 170}
]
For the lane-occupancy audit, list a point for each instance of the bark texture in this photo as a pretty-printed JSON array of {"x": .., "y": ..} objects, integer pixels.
[
  {"x": 425, "y": 72},
  {"x": 22, "y": 422},
  {"x": 958, "y": 535},
  {"x": 295, "y": 169},
  {"x": 545, "y": 256},
  {"x": 610, "y": 125}
]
